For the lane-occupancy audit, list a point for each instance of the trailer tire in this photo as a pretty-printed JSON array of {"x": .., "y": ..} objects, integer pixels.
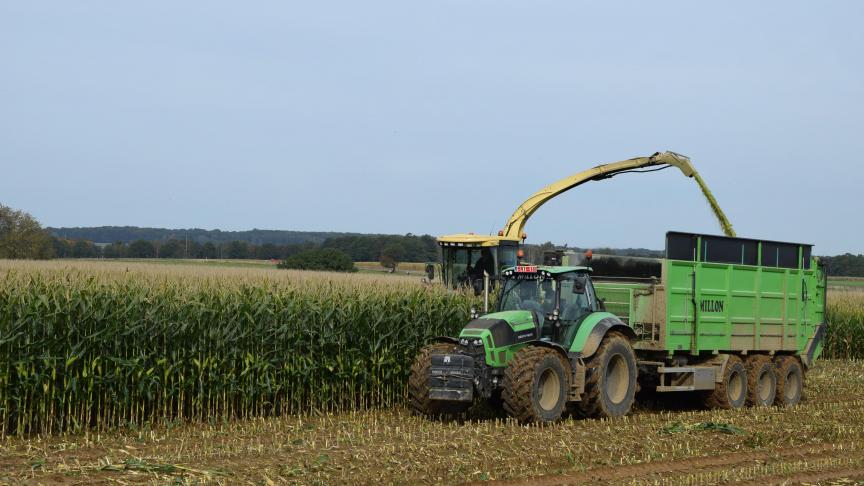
[
  {"x": 761, "y": 380},
  {"x": 731, "y": 392},
  {"x": 610, "y": 379},
  {"x": 790, "y": 381},
  {"x": 535, "y": 385},
  {"x": 418, "y": 384}
]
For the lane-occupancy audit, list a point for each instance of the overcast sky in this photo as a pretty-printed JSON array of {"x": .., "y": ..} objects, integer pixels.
[{"x": 435, "y": 117}]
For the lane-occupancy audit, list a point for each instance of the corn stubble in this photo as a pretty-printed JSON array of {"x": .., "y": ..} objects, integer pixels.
[{"x": 90, "y": 345}]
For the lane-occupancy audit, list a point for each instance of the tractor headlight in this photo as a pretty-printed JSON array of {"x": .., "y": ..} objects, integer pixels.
[
  {"x": 463, "y": 342},
  {"x": 474, "y": 314},
  {"x": 477, "y": 342}
]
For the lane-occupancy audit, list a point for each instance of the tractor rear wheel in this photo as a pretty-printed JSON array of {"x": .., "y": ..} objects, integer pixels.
[
  {"x": 610, "y": 379},
  {"x": 418, "y": 383},
  {"x": 761, "y": 381},
  {"x": 790, "y": 380},
  {"x": 536, "y": 384},
  {"x": 731, "y": 392}
]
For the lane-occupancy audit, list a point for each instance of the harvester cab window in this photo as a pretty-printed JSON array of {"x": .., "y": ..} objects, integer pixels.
[
  {"x": 484, "y": 261},
  {"x": 506, "y": 256}
]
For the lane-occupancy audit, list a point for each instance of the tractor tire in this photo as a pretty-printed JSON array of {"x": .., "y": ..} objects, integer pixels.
[
  {"x": 418, "y": 384},
  {"x": 790, "y": 381},
  {"x": 535, "y": 385},
  {"x": 610, "y": 379},
  {"x": 761, "y": 381},
  {"x": 731, "y": 392}
]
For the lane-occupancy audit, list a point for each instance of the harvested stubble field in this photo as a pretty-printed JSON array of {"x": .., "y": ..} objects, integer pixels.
[
  {"x": 120, "y": 372},
  {"x": 819, "y": 441}
]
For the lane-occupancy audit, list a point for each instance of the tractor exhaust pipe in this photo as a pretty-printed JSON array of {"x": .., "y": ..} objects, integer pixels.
[{"x": 485, "y": 292}]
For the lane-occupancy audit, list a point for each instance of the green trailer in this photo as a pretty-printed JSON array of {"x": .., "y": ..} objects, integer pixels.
[{"x": 737, "y": 321}]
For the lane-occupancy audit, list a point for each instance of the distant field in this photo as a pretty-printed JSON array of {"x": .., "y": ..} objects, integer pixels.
[
  {"x": 855, "y": 282},
  {"x": 403, "y": 268},
  {"x": 224, "y": 263}
]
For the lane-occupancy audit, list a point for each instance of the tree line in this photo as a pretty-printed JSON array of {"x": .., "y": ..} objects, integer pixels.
[{"x": 22, "y": 237}]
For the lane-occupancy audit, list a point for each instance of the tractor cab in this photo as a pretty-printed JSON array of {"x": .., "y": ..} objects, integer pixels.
[{"x": 558, "y": 298}]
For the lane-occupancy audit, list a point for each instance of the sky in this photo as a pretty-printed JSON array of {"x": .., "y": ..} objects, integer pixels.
[{"x": 435, "y": 117}]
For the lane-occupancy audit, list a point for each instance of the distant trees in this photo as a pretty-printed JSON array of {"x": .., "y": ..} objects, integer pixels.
[
  {"x": 141, "y": 249},
  {"x": 368, "y": 248},
  {"x": 391, "y": 256},
  {"x": 329, "y": 259},
  {"x": 846, "y": 265},
  {"x": 21, "y": 236}
]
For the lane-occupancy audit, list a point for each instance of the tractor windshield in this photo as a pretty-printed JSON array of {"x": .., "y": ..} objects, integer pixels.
[{"x": 529, "y": 294}]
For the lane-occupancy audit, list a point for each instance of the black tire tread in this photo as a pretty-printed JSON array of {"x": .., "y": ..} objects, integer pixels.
[
  {"x": 719, "y": 398},
  {"x": 783, "y": 363},
  {"x": 592, "y": 404},
  {"x": 518, "y": 389},
  {"x": 755, "y": 363}
]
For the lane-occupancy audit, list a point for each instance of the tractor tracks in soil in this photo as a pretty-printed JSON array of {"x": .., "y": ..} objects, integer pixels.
[{"x": 791, "y": 465}]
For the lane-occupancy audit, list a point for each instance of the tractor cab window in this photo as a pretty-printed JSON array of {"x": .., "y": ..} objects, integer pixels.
[
  {"x": 529, "y": 294},
  {"x": 577, "y": 295}
]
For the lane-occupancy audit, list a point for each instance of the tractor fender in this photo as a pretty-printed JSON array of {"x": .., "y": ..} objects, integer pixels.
[
  {"x": 593, "y": 329},
  {"x": 547, "y": 344}
]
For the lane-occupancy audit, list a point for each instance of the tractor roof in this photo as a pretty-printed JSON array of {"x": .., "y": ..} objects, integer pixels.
[{"x": 552, "y": 270}]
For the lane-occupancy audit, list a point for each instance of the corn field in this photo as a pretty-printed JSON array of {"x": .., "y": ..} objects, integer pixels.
[
  {"x": 100, "y": 345},
  {"x": 99, "y": 349},
  {"x": 845, "y": 338}
]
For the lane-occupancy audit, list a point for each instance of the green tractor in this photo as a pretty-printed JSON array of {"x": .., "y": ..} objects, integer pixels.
[{"x": 550, "y": 344}]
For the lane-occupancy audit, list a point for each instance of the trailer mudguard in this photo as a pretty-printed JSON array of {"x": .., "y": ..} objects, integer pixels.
[{"x": 584, "y": 338}]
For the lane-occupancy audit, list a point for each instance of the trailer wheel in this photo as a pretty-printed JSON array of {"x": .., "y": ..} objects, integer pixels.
[
  {"x": 535, "y": 385},
  {"x": 762, "y": 381},
  {"x": 790, "y": 380},
  {"x": 731, "y": 392},
  {"x": 610, "y": 379},
  {"x": 418, "y": 383}
]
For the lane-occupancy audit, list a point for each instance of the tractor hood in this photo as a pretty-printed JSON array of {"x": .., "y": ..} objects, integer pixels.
[{"x": 502, "y": 329}]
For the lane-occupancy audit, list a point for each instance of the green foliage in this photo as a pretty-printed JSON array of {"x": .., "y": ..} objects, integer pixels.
[
  {"x": 845, "y": 316},
  {"x": 328, "y": 259},
  {"x": 392, "y": 255},
  {"x": 128, "y": 234},
  {"x": 21, "y": 236},
  {"x": 141, "y": 249},
  {"x": 846, "y": 265},
  {"x": 87, "y": 350},
  {"x": 368, "y": 248}
]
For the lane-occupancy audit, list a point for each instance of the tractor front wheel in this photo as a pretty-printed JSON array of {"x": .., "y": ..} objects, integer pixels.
[
  {"x": 610, "y": 379},
  {"x": 418, "y": 384},
  {"x": 536, "y": 384}
]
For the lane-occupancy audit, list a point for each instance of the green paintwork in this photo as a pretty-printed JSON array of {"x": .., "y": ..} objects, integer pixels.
[
  {"x": 496, "y": 355},
  {"x": 739, "y": 308},
  {"x": 575, "y": 337}
]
